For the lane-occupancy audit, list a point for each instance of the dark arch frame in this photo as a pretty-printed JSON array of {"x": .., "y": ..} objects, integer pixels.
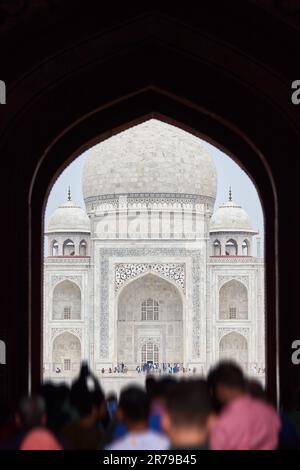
[
  {"x": 171, "y": 107},
  {"x": 93, "y": 78}
]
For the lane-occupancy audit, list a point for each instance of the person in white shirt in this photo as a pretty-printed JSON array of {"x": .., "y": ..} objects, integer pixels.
[{"x": 133, "y": 412}]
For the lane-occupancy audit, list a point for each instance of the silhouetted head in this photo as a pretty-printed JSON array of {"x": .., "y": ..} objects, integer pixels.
[
  {"x": 226, "y": 381},
  {"x": 256, "y": 390},
  {"x": 31, "y": 413},
  {"x": 187, "y": 412},
  {"x": 86, "y": 394},
  {"x": 112, "y": 397},
  {"x": 150, "y": 385},
  {"x": 134, "y": 407}
]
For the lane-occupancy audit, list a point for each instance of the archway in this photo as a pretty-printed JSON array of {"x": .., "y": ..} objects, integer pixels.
[
  {"x": 233, "y": 346},
  {"x": 66, "y": 354},
  {"x": 216, "y": 248},
  {"x": 68, "y": 248},
  {"x": 150, "y": 322},
  {"x": 246, "y": 248},
  {"x": 66, "y": 302},
  {"x": 54, "y": 248},
  {"x": 221, "y": 120},
  {"x": 83, "y": 248},
  {"x": 231, "y": 248},
  {"x": 233, "y": 301}
]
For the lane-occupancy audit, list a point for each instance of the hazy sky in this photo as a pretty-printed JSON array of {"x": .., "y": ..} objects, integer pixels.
[{"x": 229, "y": 174}]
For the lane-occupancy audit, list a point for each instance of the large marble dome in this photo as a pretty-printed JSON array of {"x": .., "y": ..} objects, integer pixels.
[{"x": 150, "y": 158}]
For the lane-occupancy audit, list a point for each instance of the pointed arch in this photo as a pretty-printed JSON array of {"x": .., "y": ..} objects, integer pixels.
[
  {"x": 162, "y": 324},
  {"x": 234, "y": 346},
  {"x": 231, "y": 247},
  {"x": 68, "y": 248},
  {"x": 66, "y": 301},
  {"x": 216, "y": 248},
  {"x": 233, "y": 301},
  {"x": 66, "y": 352}
]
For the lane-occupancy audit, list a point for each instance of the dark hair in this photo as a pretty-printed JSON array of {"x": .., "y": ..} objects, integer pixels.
[
  {"x": 188, "y": 403},
  {"x": 256, "y": 390},
  {"x": 150, "y": 385},
  {"x": 226, "y": 373},
  {"x": 157, "y": 388},
  {"x": 135, "y": 404},
  {"x": 112, "y": 396},
  {"x": 86, "y": 392},
  {"x": 31, "y": 411}
]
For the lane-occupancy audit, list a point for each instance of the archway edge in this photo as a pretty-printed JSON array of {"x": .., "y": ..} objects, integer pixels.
[
  {"x": 206, "y": 127},
  {"x": 233, "y": 332},
  {"x": 154, "y": 274},
  {"x": 60, "y": 281},
  {"x": 227, "y": 42},
  {"x": 177, "y": 301},
  {"x": 227, "y": 281},
  {"x": 69, "y": 132}
]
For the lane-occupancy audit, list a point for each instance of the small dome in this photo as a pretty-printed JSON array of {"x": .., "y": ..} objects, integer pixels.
[
  {"x": 230, "y": 217},
  {"x": 152, "y": 157},
  {"x": 69, "y": 217}
]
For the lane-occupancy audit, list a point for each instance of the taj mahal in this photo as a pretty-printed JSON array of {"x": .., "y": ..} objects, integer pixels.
[{"x": 150, "y": 271}]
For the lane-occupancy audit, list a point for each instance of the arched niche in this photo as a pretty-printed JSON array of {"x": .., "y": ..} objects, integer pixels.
[
  {"x": 66, "y": 301},
  {"x": 231, "y": 247},
  {"x": 66, "y": 353},
  {"x": 217, "y": 248},
  {"x": 165, "y": 330},
  {"x": 246, "y": 248},
  {"x": 68, "y": 248},
  {"x": 233, "y": 301},
  {"x": 234, "y": 346},
  {"x": 83, "y": 248},
  {"x": 54, "y": 248}
]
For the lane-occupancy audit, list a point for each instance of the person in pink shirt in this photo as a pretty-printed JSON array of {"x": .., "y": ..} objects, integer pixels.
[
  {"x": 40, "y": 439},
  {"x": 244, "y": 423}
]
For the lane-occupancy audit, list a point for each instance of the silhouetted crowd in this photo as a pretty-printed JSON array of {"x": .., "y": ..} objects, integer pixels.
[{"x": 224, "y": 412}]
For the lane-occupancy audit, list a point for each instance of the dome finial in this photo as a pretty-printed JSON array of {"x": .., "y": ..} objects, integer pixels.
[
  {"x": 69, "y": 194},
  {"x": 230, "y": 194}
]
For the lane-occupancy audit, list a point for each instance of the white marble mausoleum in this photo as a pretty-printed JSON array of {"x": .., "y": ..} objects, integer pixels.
[{"x": 150, "y": 270}]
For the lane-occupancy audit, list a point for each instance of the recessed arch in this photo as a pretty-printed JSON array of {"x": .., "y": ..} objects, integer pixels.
[
  {"x": 231, "y": 247},
  {"x": 133, "y": 331},
  {"x": 144, "y": 117},
  {"x": 124, "y": 286},
  {"x": 68, "y": 248},
  {"x": 234, "y": 346},
  {"x": 216, "y": 248},
  {"x": 83, "y": 248},
  {"x": 233, "y": 301},
  {"x": 246, "y": 247},
  {"x": 54, "y": 248},
  {"x": 157, "y": 274},
  {"x": 66, "y": 301},
  {"x": 66, "y": 353},
  {"x": 220, "y": 59}
]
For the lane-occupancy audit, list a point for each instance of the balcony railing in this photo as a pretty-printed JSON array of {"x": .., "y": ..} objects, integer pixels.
[
  {"x": 68, "y": 259},
  {"x": 235, "y": 259}
]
